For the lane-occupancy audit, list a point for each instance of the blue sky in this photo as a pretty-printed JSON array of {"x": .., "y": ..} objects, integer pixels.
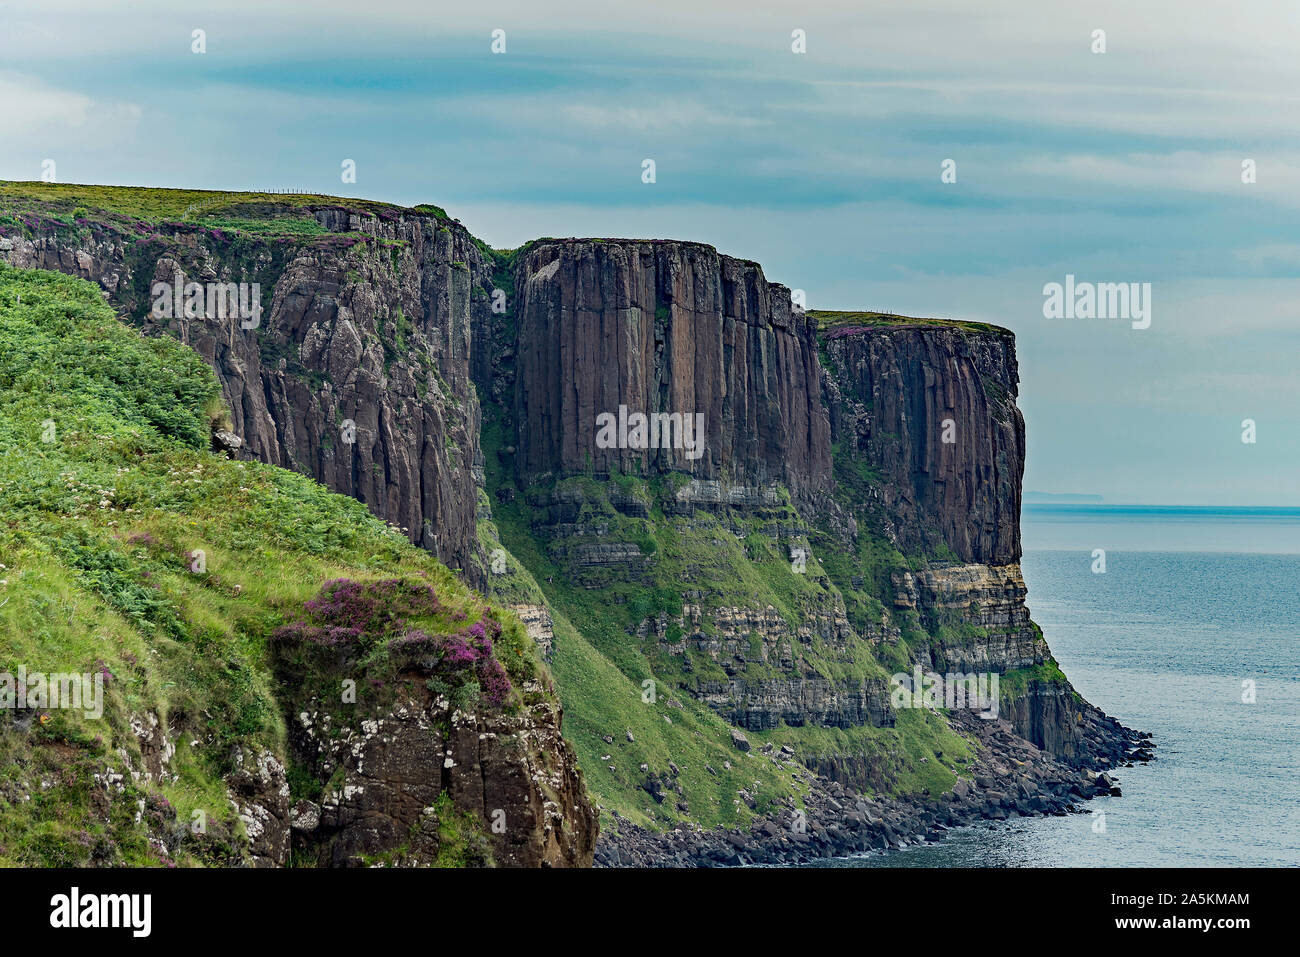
[{"x": 825, "y": 167}]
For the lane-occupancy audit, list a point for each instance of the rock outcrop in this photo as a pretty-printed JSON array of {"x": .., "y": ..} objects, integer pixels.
[
  {"x": 506, "y": 785},
  {"x": 977, "y": 619},
  {"x": 1011, "y": 779},
  {"x": 537, "y": 622},
  {"x": 927, "y": 409},
  {"x": 749, "y": 644}
]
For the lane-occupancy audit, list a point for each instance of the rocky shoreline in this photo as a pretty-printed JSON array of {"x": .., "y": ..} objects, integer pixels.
[{"x": 1011, "y": 778}]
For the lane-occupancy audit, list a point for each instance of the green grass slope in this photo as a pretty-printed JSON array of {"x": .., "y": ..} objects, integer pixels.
[
  {"x": 108, "y": 493},
  {"x": 604, "y": 671}
]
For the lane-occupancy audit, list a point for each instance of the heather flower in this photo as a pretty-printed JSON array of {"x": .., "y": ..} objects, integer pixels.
[
  {"x": 493, "y": 682},
  {"x": 459, "y": 653},
  {"x": 357, "y": 617},
  {"x": 416, "y": 641}
]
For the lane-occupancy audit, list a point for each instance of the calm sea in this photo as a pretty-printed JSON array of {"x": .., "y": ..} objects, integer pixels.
[{"x": 1193, "y": 602}]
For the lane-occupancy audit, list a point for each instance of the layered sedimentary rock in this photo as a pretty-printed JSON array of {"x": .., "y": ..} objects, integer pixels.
[
  {"x": 664, "y": 327},
  {"x": 358, "y": 370},
  {"x": 540, "y": 627},
  {"x": 976, "y": 617},
  {"x": 932, "y": 409},
  {"x": 740, "y": 637},
  {"x": 802, "y": 700}
]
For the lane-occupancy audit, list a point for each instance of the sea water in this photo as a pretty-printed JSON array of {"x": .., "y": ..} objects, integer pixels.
[{"x": 1196, "y": 609}]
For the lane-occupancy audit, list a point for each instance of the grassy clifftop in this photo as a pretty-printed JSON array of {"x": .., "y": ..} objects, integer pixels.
[
  {"x": 838, "y": 320},
  {"x": 180, "y": 204},
  {"x": 129, "y": 551}
]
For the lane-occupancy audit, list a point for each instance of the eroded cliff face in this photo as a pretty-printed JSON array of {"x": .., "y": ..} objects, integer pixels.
[
  {"x": 927, "y": 409},
  {"x": 932, "y": 409},
  {"x": 358, "y": 371},
  {"x": 767, "y": 678},
  {"x": 506, "y": 785},
  {"x": 676, "y": 328},
  {"x": 664, "y": 327},
  {"x": 989, "y": 601},
  {"x": 418, "y": 784},
  {"x": 923, "y": 410}
]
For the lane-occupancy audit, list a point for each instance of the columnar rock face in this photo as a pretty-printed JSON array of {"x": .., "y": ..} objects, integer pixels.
[
  {"x": 931, "y": 408},
  {"x": 1057, "y": 719},
  {"x": 665, "y": 327},
  {"x": 358, "y": 370},
  {"x": 927, "y": 410},
  {"x": 927, "y": 407}
]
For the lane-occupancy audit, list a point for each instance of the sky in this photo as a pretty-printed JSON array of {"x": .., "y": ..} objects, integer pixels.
[{"x": 825, "y": 166}]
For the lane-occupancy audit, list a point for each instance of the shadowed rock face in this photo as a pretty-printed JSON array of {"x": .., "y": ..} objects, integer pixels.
[
  {"x": 891, "y": 390},
  {"x": 664, "y": 327},
  {"x": 1055, "y": 718},
  {"x": 369, "y": 325}
]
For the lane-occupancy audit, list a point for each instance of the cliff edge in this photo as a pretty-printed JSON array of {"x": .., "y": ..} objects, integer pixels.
[{"x": 733, "y": 530}]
